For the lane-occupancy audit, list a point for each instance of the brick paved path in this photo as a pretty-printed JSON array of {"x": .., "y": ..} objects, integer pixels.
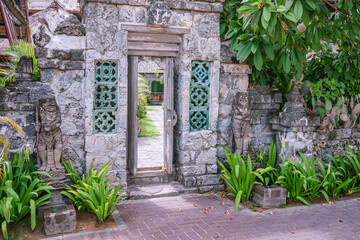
[{"x": 160, "y": 219}]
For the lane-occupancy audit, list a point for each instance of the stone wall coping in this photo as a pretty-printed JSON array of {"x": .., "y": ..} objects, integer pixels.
[{"x": 211, "y": 6}]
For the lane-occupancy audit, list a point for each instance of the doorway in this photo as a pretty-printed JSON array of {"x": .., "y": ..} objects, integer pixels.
[{"x": 150, "y": 128}]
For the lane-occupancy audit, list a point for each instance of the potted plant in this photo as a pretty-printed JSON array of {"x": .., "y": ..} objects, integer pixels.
[{"x": 268, "y": 194}]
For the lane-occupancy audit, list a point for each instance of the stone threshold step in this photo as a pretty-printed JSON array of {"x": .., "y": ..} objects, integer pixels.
[{"x": 154, "y": 191}]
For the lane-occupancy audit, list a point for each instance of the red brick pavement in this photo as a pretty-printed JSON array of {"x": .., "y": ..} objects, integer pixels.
[{"x": 161, "y": 219}]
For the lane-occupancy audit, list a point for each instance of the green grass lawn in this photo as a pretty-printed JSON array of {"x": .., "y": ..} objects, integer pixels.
[{"x": 148, "y": 128}]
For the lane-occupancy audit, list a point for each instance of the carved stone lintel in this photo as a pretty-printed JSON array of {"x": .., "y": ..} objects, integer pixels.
[{"x": 241, "y": 127}]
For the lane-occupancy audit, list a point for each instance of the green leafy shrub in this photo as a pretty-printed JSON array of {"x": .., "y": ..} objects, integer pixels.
[
  {"x": 353, "y": 163},
  {"x": 92, "y": 193},
  {"x": 143, "y": 93},
  {"x": 21, "y": 190},
  {"x": 15, "y": 51},
  {"x": 293, "y": 181},
  {"x": 332, "y": 88},
  {"x": 269, "y": 34},
  {"x": 333, "y": 182},
  {"x": 268, "y": 169},
  {"x": 240, "y": 178}
]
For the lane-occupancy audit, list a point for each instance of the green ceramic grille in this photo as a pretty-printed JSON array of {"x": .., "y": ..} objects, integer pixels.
[
  {"x": 105, "y": 97},
  {"x": 199, "y": 96}
]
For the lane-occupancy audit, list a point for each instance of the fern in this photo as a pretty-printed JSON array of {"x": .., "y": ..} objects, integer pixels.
[{"x": 15, "y": 51}]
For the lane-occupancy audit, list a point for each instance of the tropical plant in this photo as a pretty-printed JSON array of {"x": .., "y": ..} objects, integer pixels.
[
  {"x": 15, "y": 51},
  {"x": 314, "y": 184},
  {"x": 268, "y": 169},
  {"x": 143, "y": 92},
  {"x": 333, "y": 182},
  {"x": 21, "y": 190},
  {"x": 92, "y": 193},
  {"x": 293, "y": 181},
  {"x": 353, "y": 162},
  {"x": 274, "y": 36},
  {"x": 240, "y": 178}
]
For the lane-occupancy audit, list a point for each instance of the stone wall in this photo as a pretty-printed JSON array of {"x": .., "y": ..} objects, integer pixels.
[
  {"x": 17, "y": 102},
  {"x": 265, "y": 106},
  {"x": 333, "y": 143},
  {"x": 195, "y": 152},
  {"x": 234, "y": 77}
]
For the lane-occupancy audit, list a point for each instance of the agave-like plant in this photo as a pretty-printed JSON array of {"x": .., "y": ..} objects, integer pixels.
[
  {"x": 14, "y": 52},
  {"x": 92, "y": 193},
  {"x": 21, "y": 191},
  {"x": 240, "y": 178}
]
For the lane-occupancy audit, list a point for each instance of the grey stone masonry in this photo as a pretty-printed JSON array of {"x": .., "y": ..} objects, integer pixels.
[
  {"x": 294, "y": 127},
  {"x": 333, "y": 142},
  {"x": 268, "y": 197},
  {"x": 17, "y": 102},
  {"x": 234, "y": 77},
  {"x": 265, "y": 106},
  {"x": 194, "y": 152},
  {"x": 58, "y": 221},
  {"x": 62, "y": 68}
]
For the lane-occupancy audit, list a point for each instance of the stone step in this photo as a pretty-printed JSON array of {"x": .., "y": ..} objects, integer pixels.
[
  {"x": 149, "y": 177},
  {"x": 155, "y": 191}
]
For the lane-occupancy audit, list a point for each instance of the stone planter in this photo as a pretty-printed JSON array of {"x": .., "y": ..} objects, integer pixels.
[
  {"x": 267, "y": 197},
  {"x": 60, "y": 220}
]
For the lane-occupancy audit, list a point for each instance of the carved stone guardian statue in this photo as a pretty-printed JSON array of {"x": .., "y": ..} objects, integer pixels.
[
  {"x": 49, "y": 137},
  {"x": 241, "y": 122}
]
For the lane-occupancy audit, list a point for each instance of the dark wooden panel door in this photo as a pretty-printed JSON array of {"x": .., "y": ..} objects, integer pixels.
[
  {"x": 170, "y": 116},
  {"x": 132, "y": 154}
]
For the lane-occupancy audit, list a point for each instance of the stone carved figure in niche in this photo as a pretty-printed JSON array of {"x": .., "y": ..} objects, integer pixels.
[
  {"x": 49, "y": 136},
  {"x": 25, "y": 65},
  {"x": 241, "y": 122}
]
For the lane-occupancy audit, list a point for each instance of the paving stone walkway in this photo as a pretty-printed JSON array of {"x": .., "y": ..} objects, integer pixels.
[
  {"x": 150, "y": 149},
  {"x": 160, "y": 218}
]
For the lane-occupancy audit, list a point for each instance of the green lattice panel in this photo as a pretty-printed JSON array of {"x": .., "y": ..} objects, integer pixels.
[
  {"x": 199, "y": 120},
  {"x": 105, "y": 121},
  {"x": 200, "y": 73},
  {"x": 105, "y": 96},
  {"x": 106, "y": 72},
  {"x": 199, "y": 97}
]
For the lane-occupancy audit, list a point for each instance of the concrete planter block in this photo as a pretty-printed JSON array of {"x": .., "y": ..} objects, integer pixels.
[
  {"x": 60, "y": 221},
  {"x": 268, "y": 197}
]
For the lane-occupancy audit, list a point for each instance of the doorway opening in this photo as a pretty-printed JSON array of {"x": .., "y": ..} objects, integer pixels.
[{"x": 151, "y": 115}]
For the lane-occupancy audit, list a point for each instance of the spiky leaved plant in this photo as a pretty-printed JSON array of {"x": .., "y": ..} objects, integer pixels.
[{"x": 14, "y": 52}]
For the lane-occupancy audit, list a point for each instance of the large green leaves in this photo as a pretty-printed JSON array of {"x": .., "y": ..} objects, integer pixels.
[
  {"x": 240, "y": 178},
  {"x": 22, "y": 192},
  {"x": 91, "y": 193}
]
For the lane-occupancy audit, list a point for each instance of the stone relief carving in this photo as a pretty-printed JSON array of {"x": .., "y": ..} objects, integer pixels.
[
  {"x": 241, "y": 122},
  {"x": 49, "y": 137},
  {"x": 159, "y": 12},
  {"x": 24, "y": 68}
]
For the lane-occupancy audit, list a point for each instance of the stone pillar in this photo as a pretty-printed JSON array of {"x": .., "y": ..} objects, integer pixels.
[
  {"x": 294, "y": 128},
  {"x": 265, "y": 106}
]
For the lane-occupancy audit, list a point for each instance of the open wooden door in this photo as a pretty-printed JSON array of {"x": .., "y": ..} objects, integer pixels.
[
  {"x": 170, "y": 116},
  {"x": 132, "y": 154}
]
